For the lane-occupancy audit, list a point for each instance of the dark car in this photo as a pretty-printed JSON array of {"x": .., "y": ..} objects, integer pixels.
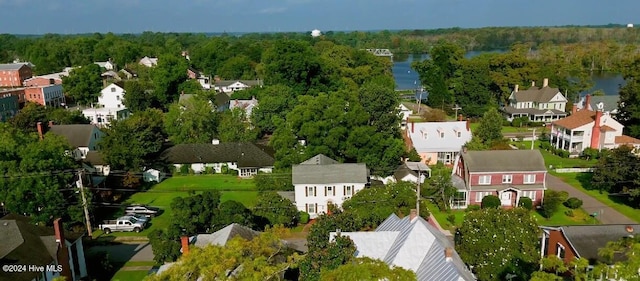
[{"x": 141, "y": 210}]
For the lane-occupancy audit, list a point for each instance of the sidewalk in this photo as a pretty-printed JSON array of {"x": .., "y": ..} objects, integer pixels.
[{"x": 605, "y": 214}]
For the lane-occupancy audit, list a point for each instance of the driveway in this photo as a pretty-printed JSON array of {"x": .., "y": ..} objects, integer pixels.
[
  {"x": 126, "y": 252},
  {"x": 606, "y": 214}
]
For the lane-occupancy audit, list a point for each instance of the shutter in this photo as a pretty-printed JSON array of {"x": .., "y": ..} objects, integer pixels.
[
  {"x": 316, "y": 208},
  {"x": 325, "y": 191},
  {"x": 334, "y": 191},
  {"x": 306, "y": 191},
  {"x": 306, "y": 208},
  {"x": 315, "y": 191},
  {"x": 344, "y": 190}
]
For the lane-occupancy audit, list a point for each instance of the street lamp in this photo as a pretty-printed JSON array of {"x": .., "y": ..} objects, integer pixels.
[{"x": 533, "y": 137}]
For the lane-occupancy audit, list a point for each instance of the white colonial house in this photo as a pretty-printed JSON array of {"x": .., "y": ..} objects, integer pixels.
[
  {"x": 438, "y": 141},
  {"x": 589, "y": 129},
  {"x": 112, "y": 96},
  {"x": 321, "y": 180},
  {"x": 246, "y": 105},
  {"x": 102, "y": 116},
  {"x": 108, "y": 65},
  {"x": 230, "y": 86},
  {"x": 149, "y": 62},
  {"x": 82, "y": 137},
  {"x": 246, "y": 158},
  {"x": 538, "y": 104}
]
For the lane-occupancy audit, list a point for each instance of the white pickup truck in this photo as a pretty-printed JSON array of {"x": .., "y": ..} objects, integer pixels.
[{"x": 126, "y": 223}]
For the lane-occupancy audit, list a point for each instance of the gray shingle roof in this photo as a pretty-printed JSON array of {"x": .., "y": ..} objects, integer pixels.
[
  {"x": 610, "y": 102},
  {"x": 78, "y": 135},
  {"x": 587, "y": 239},
  {"x": 536, "y": 95},
  {"x": 94, "y": 158},
  {"x": 247, "y": 155},
  {"x": 416, "y": 245},
  {"x": 503, "y": 161},
  {"x": 222, "y": 236},
  {"x": 12, "y": 66},
  {"x": 321, "y": 170}
]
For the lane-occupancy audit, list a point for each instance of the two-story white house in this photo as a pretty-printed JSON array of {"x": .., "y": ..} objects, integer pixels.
[
  {"x": 110, "y": 106},
  {"x": 539, "y": 104},
  {"x": 230, "y": 86},
  {"x": 321, "y": 181},
  {"x": 589, "y": 129},
  {"x": 438, "y": 141},
  {"x": 112, "y": 96},
  {"x": 82, "y": 137}
]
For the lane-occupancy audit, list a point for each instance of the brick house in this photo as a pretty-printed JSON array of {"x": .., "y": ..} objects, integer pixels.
[
  {"x": 49, "y": 95},
  {"x": 17, "y": 92},
  {"x": 14, "y": 74},
  {"x": 507, "y": 174}
]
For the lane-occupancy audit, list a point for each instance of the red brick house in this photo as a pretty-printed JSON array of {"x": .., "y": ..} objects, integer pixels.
[
  {"x": 13, "y": 74},
  {"x": 50, "y": 95},
  {"x": 507, "y": 174},
  {"x": 583, "y": 241}
]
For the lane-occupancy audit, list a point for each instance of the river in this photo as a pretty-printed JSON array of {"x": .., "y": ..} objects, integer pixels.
[{"x": 407, "y": 78}]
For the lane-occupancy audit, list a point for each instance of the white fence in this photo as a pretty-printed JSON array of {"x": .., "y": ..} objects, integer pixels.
[{"x": 575, "y": 170}]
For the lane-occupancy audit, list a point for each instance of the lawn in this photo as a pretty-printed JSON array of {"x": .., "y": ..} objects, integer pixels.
[
  {"x": 441, "y": 216},
  {"x": 582, "y": 180},
  {"x": 510, "y": 129},
  {"x": 553, "y": 160},
  {"x": 135, "y": 275},
  {"x": 162, "y": 194}
]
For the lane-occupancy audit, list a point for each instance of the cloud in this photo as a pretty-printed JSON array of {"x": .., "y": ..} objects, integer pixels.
[{"x": 272, "y": 10}]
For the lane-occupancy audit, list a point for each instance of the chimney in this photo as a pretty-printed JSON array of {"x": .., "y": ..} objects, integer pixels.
[
  {"x": 587, "y": 103},
  {"x": 533, "y": 83},
  {"x": 595, "y": 132},
  {"x": 39, "y": 126},
  {"x": 574, "y": 109},
  {"x": 185, "y": 245},
  {"x": 448, "y": 254},
  {"x": 468, "y": 125},
  {"x": 62, "y": 251},
  {"x": 413, "y": 214},
  {"x": 412, "y": 126},
  {"x": 460, "y": 117},
  {"x": 516, "y": 88},
  {"x": 545, "y": 82}
]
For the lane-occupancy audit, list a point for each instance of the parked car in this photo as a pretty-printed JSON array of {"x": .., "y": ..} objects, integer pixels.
[
  {"x": 126, "y": 223},
  {"x": 139, "y": 217},
  {"x": 141, "y": 210}
]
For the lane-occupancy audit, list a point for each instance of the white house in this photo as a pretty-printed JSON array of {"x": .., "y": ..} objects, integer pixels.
[
  {"x": 321, "y": 180},
  {"x": 82, "y": 137},
  {"x": 539, "y": 104},
  {"x": 230, "y": 86},
  {"x": 102, "y": 116},
  {"x": 413, "y": 244},
  {"x": 108, "y": 65},
  {"x": 438, "y": 141},
  {"x": 112, "y": 96},
  {"x": 609, "y": 103},
  {"x": 149, "y": 62},
  {"x": 246, "y": 105},
  {"x": 246, "y": 158},
  {"x": 586, "y": 128}
]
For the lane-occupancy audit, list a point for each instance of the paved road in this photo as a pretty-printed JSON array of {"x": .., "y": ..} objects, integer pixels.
[
  {"x": 606, "y": 214},
  {"x": 126, "y": 252}
]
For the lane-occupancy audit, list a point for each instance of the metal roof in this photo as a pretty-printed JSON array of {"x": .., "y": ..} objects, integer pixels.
[
  {"x": 426, "y": 136},
  {"x": 320, "y": 170}
]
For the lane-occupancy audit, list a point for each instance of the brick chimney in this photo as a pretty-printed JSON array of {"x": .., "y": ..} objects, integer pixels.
[
  {"x": 62, "y": 251},
  {"x": 595, "y": 132},
  {"x": 468, "y": 125},
  {"x": 413, "y": 214},
  {"x": 574, "y": 109},
  {"x": 412, "y": 126},
  {"x": 587, "y": 103},
  {"x": 39, "y": 126},
  {"x": 545, "y": 82},
  {"x": 448, "y": 254},
  {"x": 516, "y": 88},
  {"x": 460, "y": 117},
  {"x": 184, "y": 240}
]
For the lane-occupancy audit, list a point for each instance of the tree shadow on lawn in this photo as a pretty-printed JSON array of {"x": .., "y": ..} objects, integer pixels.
[{"x": 585, "y": 180}]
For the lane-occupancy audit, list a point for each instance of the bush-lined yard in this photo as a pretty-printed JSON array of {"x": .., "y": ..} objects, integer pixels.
[
  {"x": 555, "y": 161},
  {"x": 161, "y": 195}
]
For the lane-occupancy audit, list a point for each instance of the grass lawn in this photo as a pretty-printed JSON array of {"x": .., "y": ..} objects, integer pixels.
[
  {"x": 136, "y": 275},
  {"x": 554, "y": 160},
  {"x": 441, "y": 216},
  {"x": 582, "y": 180},
  {"x": 163, "y": 193},
  {"x": 509, "y": 129},
  {"x": 579, "y": 217}
]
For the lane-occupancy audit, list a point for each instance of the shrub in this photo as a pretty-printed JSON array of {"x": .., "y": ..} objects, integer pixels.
[
  {"x": 472, "y": 208},
  {"x": 209, "y": 170},
  {"x": 536, "y": 124},
  {"x": 545, "y": 145},
  {"x": 573, "y": 203},
  {"x": 451, "y": 219},
  {"x": 525, "y": 202},
  {"x": 490, "y": 201},
  {"x": 520, "y": 121},
  {"x": 184, "y": 170},
  {"x": 304, "y": 217},
  {"x": 552, "y": 201},
  {"x": 590, "y": 153},
  {"x": 568, "y": 213}
]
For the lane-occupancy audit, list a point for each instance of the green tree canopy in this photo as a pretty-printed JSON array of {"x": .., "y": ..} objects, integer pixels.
[
  {"x": 371, "y": 206},
  {"x": 191, "y": 121},
  {"x": 489, "y": 131},
  {"x": 235, "y": 127},
  {"x": 629, "y": 104},
  {"x": 273, "y": 209},
  {"x": 83, "y": 84},
  {"x": 32, "y": 113},
  {"x": 368, "y": 269}
]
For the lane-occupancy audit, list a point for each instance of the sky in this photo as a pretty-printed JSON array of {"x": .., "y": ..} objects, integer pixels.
[{"x": 135, "y": 16}]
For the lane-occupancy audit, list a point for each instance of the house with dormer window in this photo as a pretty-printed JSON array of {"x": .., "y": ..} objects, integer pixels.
[
  {"x": 538, "y": 104},
  {"x": 438, "y": 141}
]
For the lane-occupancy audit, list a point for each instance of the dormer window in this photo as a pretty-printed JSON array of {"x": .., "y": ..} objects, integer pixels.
[
  {"x": 459, "y": 134},
  {"x": 425, "y": 135},
  {"x": 113, "y": 89},
  {"x": 442, "y": 135}
]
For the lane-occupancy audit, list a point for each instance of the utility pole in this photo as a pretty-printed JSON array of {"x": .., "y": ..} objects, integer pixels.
[
  {"x": 418, "y": 191},
  {"x": 456, "y": 108},
  {"x": 84, "y": 203},
  {"x": 533, "y": 137}
]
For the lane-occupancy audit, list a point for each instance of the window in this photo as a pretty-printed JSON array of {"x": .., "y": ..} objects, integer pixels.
[
  {"x": 531, "y": 194},
  {"x": 117, "y": 97},
  {"x": 348, "y": 190},
  {"x": 507, "y": 178},
  {"x": 311, "y": 208},
  {"x": 425, "y": 135},
  {"x": 482, "y": 194},
  {"x": 529, "y": 179},
  {"x": 329, "y": 191},
  {"x": 484, "y": 180},
  {"x": 560, "y": 252},
  {"x": 310, "y": 191},
  {"x": 459, "y": 134},
  {"x": 442, "y": 135},
  {"x": 113, "y": 89}
]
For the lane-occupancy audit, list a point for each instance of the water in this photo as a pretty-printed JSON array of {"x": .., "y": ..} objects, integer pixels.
[{"x": 407, "y": 78}]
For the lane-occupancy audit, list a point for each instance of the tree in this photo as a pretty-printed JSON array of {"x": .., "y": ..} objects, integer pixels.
[
  {"x": 275, "y": 103},
  {"x": 617, "y": 172},
  {"x": 490, "y": 201},
  {"x": 338, "y": 252},
  {"x": 490, "y": 129},
  {"x": 235, "y": 127},
  {"x": 367, "y": 269},
  {"x": 165, "y": 244},
  {"x": 629, "y": 104},
  {"x": 437, "y": 73},
  {"x": 317, "y": 240},
  {"x": 232, "y": 212},
  {"x": 275, "y": 209},
  {"x": 197, "y": 213},
  {"x": 439, "y": 186},
  {"x": 138, "y": 96},
  {"x": 191, "y": 121},
  {"x": 552, "y": 202},
  {"x": 371, "y": 206},
  {"x": 265, "y": 257},
  {"x": 413, "y": 155},
  {"x": 381, "y": 103},
  {"x": 292, "y": 63},
  {"x": 84, "y": 84},
  {"x": 170, "y": 72},
  {"x": 497, "y": 242},
  {"x": 32, "y": 113},
  {"x": 135, "y": 142}
]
